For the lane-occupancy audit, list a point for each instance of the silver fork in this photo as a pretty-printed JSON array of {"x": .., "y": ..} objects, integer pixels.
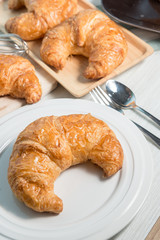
[{"x": 100, "y": 96}]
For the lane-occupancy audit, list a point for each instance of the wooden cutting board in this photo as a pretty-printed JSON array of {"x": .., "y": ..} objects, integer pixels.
[{"x": 71, "y": 77}]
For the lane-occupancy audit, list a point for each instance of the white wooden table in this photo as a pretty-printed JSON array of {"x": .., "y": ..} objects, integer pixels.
[{"x": 144, "y": 80}]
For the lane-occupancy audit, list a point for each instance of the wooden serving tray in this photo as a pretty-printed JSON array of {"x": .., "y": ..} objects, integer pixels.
[{"x": 71, "y": 77}]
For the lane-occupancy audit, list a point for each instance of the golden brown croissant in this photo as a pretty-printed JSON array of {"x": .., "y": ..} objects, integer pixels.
[
  {"x": 90, "y": 33},
  {"x": 42, "y": 15},
  {"x": 18, "y": 79},
  {"x": 52, "y": 144}
]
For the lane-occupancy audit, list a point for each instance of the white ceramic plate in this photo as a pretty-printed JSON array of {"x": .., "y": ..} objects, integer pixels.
[{"x": 94, "y": 208}]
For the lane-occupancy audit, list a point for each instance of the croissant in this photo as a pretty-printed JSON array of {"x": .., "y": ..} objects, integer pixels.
[
  {"x": 90, "y": 33},
  {"x": 41, "y": 16},
  {"x": 52, "y": 144},
  {"x": 18, "y": 79}
]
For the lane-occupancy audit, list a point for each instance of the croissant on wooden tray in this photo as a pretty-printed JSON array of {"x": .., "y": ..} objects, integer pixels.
[
  {"x": 18, "y": 79},
  {"x": 52, "y": 144},
  {"x": 41, "y": 16},
  {"x": 90, "y": 33}
]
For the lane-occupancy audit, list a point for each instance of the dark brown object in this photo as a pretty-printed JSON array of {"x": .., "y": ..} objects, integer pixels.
[{"x": 143, "y": 14}]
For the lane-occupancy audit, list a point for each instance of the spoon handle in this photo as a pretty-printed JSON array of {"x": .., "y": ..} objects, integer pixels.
[
  {"x": 155, "y": 139},
  {"x": 156, "y": 120}
]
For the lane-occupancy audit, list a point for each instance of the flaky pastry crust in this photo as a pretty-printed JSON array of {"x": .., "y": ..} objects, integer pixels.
[
  {"x": 89, "y": 33},
  {"x": 41, "y": 16},
  {"x": 18, "y": 78},
  {"x": 52, "y": 144}
]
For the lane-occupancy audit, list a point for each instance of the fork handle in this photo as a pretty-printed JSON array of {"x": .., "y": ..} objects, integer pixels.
[
  {"x": 156, "y": 120},
  {"x": 155, "y": 139}
]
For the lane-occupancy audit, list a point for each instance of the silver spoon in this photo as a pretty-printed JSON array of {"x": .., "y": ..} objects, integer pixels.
[{"x": 123, "y": 97}]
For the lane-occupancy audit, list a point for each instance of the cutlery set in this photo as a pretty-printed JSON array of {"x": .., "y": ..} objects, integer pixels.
[{"x": 110, "y": 97}]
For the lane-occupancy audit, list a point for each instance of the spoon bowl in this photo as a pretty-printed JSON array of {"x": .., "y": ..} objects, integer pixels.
[
  {"x": 120, "y": 94},
  {"x": 123, "y": 97}
]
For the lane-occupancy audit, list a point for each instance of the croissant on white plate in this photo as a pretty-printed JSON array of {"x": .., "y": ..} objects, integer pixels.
[
  {"x": 41, "y": 16},
  {"x": 89, "y": 33},
  {"x": 52, "y": 144},
  {"x": 18, "y": 78}
]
